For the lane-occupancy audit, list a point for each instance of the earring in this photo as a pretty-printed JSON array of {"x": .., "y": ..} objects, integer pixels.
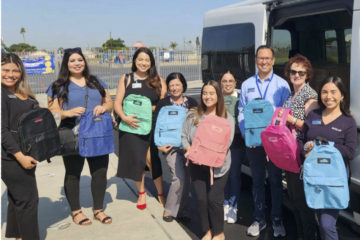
[{"x": 342, "y": 100}]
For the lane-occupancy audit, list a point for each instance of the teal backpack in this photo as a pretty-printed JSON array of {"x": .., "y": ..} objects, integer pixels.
[
  {"x": 232, "y": 105},
  {"x": 140, "y": 105}
]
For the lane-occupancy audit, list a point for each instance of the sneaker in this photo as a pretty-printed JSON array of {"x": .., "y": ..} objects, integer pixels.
[
  {"x": 232, "y": 215},
  {"x": 279, "y": 230},
  {"x": 226, "y": 211},
  {"x": 255, "y": 228}
]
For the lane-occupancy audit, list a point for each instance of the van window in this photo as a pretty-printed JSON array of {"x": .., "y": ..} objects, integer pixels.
[
  {"x": 331, "y": 47},
  {"x": 281, "y": 45},
  {"x": 229, "y": 47},
  {"x": 347, "y": 34}
]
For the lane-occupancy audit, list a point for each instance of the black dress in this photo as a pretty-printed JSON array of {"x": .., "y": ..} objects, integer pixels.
[{"x": 133, "y": 147}]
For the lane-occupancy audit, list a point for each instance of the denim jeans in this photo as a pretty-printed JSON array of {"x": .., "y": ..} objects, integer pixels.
[
  {"x": 258, "y": 164},
  {"x": 233, "y": 184}
]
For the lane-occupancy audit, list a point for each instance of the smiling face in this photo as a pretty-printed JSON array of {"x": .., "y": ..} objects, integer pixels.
[
  {"x": 76, "y": 64},
  {"x": 296, "y": 79},
  {"x": 10, "y": 75},
  {"x": 209, "y": 96},
  {"x": 176, "y": 88},
  {"x": 265, "y": 60},
  {"x": 331, "y": 96},
  {"x": 228, "y": 83},
  {"x": 143, "y": 62}
]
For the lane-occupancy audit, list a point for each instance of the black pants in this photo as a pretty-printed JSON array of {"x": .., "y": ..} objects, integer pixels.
[
  {"x": 210, "y": 198},
  {"x": 98, "y": 169},
  {"x": 304, "y": 216},
  {"x": 23, "y": 197}
]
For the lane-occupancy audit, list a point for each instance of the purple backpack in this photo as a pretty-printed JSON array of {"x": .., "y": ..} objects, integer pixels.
[{"x": 280, "y": 143}]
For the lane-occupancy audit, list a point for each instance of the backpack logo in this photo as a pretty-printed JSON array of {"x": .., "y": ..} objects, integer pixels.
[
  {"x": 273, "y": 139},
  {"x": 324, "y": 160},
  {"x": 216, "y": 129},
  {"x": 38, "y": 120},
  {"x": 173, "y": 113},
  {"x": 227, "y": 103},
  {"x": 97, "y": 119},
  {"x": 258, "y": 110},
  {"x": 137, "y": 103}
]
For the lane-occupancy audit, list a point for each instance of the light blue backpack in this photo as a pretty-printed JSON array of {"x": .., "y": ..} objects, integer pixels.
[
  {"x": 257, "y": 115},
  {"x": 169, "y": 125},
  {"x": 325, "y": 178}
]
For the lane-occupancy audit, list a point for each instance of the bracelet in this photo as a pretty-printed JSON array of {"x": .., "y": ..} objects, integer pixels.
[{"x": 294, "y": 121}]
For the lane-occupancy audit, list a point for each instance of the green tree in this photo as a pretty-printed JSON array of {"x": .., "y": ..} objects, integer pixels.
[
  {"x": 3, "y": 46},
  {"x": 21, "y": 47},
  {"x": 152, "y": 48},
  {"x": 173, "y": 45},
  {"x": 22, "y": 31},
  {"x": 115, "y": 44},
  {"x": 197, "y": 42},
  {"x": 330, "y": 40},
  {"x": 61, "y": 49}
]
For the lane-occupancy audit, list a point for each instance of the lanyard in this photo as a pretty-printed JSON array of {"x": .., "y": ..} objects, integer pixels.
[
  {"x": 181, "y": 105},
  {"x": 292, "y": 98},
  {"x": 272, "y": 75}
]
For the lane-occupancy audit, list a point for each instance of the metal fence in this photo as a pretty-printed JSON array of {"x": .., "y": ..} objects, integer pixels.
[{"x": 109, "y": 66}]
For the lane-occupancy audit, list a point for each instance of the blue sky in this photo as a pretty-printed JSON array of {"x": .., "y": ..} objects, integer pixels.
[{"x": 76, "y": 23}]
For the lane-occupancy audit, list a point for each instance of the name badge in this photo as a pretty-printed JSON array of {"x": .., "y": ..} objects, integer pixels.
[
  {"x": 336, "y": 129},
  {"x": 136, "y": 85},
  {"x": 316, "y": 122},
  {"x": 12, "y": 96},
  {"x": 251, "y": 90},
  {"x": 227, "y": 102}
]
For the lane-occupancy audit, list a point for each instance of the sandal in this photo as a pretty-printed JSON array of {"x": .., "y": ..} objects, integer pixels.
[
  {"x": 162, "y": 195},
  {"x": 82, "y": 221},
  {"x": 104, "y": 219}
]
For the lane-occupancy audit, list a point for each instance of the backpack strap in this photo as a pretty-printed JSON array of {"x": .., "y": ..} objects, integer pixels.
[{"x": 86, "y": 97}]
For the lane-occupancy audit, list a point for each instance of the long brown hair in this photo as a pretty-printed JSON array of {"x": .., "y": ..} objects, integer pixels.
[
  {"x": 220, "y": 106},
  {"x": 22, "y": 86},
  {"x": 153, "y": 81}
]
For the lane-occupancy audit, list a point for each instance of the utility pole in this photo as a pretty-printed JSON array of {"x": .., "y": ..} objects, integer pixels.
[
  {"x": 110, "y": 42},
  {"x": 184, "y": 42}
]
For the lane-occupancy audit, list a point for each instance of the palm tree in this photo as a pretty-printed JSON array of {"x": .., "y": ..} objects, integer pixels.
[
  {"x": 22, "y": 31},
  {"x": 173, "y": 45}
]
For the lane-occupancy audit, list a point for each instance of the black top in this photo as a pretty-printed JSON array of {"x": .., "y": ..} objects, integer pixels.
[
  {"x": 166, "y": 102},
  {"x": 11, "y": 110},
  {"x": 142, "y": 90},
  {"x": 342, "y": 131}
]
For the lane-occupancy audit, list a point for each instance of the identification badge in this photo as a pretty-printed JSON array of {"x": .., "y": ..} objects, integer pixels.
[
  {"x": 251, "y": 90},
  {"x": 336, "y": 129},
  {"x": 136, "y": 85},
  {"x": 12, "y": 96},
  {"x": 227, "y": 102},
  {"x": 316, "y": 122}
]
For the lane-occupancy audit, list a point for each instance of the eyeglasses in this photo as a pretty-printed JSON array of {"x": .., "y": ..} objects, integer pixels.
[
  {"x": 266, "y": 59},
  {"x": 301, "y": 73},
  {"x": 225, "y": 81},
  {"x": 72, "y": 50}
]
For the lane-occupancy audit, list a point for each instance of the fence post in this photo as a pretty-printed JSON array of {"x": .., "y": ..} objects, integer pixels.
[
  {"x": 56, "y": 63},
  {"x": 199, "y": 62},
  {"x": 157, "y": 51}
]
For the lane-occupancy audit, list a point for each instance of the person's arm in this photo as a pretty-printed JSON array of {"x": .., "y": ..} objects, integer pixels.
[
  {"x": 56, "y": 107},
  {"x": 120, "y": 94},
  {"x": 302, "y": 139},
  {"x": 242, "y": 104},
  {"x": 348, "y": 149},
  {"x": 230, "y": 118}
]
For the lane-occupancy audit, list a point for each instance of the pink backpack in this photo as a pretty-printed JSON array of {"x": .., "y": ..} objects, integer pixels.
[
  {"x": 211, "y": 143},
  {"x": 280, "y": 144}
]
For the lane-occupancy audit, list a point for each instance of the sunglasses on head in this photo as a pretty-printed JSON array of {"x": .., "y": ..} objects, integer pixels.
[
  {"x": 72, "y": 50},
  {"x": 301, "y": 73}
]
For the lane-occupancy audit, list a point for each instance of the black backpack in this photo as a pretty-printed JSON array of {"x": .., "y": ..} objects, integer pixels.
[{"x": 39, "y": 135}]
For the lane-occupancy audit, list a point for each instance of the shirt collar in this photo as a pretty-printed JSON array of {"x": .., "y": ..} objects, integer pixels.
[{"x": 266, "y": 80}]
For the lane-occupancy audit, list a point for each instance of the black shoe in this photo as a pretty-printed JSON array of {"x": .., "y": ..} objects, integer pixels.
[
  {"x": 184, "y": 219},
  {"x": 168, "y": 218}
]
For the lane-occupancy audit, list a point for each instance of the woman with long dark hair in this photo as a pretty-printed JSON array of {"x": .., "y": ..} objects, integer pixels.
[
  {"x": 67, "y": 96},
  {"x": 138, "y": 151},
  {"x": 332, "y": 121},
  {"x": 210, "y": 197},
  {"x": 17, "y": 170}
]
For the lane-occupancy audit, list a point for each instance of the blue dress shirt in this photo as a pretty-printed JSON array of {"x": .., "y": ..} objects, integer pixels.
[{"x": 277, "y": 92}]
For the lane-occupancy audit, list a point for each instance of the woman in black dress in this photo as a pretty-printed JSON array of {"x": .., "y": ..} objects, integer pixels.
[
  {"x": 17, "y": 170},
  {"x": 138, "y": 151}
]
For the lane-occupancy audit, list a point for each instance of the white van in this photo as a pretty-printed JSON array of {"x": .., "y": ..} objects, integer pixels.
[{"x": 327, "y": 32}]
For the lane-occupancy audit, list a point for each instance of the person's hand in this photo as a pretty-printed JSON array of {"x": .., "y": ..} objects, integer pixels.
[
  {"x": 289, "y": 118},
  {"x": 186, "y": 155},
  {"x": 195, "y": 162},
  {"x": 27, "y": 162},
  {"x": 99, "y": 110},
  {"x": 309, "y": 148},
  {"x": 252, "y": 147},
  {"x": 131, "y": 121},
  {"x": 74, "y": 112},
  {"x": 166, "y": 148}
]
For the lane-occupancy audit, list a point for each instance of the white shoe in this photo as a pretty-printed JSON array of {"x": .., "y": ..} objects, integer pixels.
[
  {"x": 226, "y": 211},
  {"x": 232, "y": 215}
]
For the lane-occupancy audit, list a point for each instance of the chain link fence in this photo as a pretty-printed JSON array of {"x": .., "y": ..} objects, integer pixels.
[{"x": 109, "y": 66}]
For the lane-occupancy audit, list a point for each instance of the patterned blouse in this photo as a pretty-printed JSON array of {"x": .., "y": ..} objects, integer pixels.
[{"x": 298, "y": 104}]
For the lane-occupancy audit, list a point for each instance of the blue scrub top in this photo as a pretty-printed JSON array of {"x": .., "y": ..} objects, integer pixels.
[{"x": 76, "y": 96}]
